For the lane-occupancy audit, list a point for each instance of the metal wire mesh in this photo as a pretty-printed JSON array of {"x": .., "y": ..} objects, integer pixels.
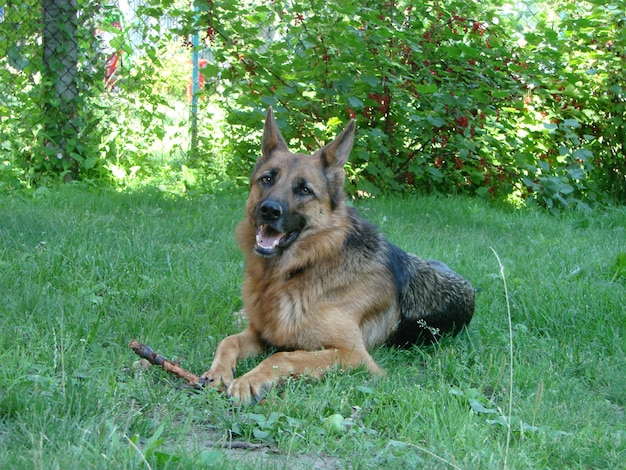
[{"x": 59, "y": 56}]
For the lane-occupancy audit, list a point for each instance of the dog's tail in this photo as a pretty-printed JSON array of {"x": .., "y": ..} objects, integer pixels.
[{"x": 434, "y": 300}]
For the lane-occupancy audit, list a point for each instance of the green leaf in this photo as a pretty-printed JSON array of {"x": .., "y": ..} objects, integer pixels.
[
  {"x": 573, "y": 123},
  {"x": 163, "y": 458},
  {"x": 90, "y": 162},
  {"x": 477, "y": 407},
  {"x": 370, "y": 80},
  {"x": 356, "y": 103},
  {"x": 482, "y": 191},
  {"x": 576, "y": 173},
  {"x": 425, "y": 89},
  {"x": 435, "y": 173},
  {"x": 259, "y": 434},
  {"x": 582, "y": 154},
  {"x": 436, "y": 121}
]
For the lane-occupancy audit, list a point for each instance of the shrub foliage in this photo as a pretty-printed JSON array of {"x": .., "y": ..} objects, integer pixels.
[{"x": 449, "y": 97}]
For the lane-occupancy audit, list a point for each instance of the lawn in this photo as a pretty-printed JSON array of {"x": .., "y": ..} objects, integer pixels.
[{"x": 83, "y": 271}]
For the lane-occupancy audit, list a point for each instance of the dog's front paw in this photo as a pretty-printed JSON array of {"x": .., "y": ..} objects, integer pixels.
[
  {"x": 247, "y": 389},
  {"x": 218, "y": 376}
]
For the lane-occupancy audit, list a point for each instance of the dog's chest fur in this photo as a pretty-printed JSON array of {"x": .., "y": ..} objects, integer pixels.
[
  {"x": 288, "y": 315},
  {"x": 311, "y": 306}
]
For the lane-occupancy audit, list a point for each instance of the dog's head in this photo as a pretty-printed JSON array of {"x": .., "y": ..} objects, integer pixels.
[{"x": 291, "y": 193}]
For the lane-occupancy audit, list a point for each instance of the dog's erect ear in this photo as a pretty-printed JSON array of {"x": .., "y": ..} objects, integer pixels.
[
  {"x": 335, "y": 154},
  {"x": 272, "y": 139}
]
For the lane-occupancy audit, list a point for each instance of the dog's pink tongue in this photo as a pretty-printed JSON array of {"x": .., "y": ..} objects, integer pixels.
[{"x": 268, "y": 238}]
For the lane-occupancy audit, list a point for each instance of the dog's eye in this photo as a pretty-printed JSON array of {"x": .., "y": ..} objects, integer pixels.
[
  {"x": 267, "y": 179},
  {"x": 303, "y": 190}
]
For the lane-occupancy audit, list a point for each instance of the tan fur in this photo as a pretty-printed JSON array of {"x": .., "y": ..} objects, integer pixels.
[{"x": 321, "y": 301}]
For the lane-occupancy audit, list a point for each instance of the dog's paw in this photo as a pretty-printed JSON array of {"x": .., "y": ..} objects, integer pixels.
[
  {"x": 217, "y": 376},
  {"x": 246, "y": 390}
]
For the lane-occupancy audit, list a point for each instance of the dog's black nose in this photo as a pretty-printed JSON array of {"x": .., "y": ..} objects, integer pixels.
[{"x": 271, "y": 210}]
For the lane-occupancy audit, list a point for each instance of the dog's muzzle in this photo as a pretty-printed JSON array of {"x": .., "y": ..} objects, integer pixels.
[{"x": 276, "y": 228}]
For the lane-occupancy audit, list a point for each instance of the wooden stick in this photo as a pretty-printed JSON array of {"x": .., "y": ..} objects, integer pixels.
[{"x": 151, "y": 356}]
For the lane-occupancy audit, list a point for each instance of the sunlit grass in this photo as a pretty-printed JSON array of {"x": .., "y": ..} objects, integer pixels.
[{"x": 84, "y": 271}]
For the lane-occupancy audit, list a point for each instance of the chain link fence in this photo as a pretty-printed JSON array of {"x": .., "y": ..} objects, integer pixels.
[{"x": 114, "y": 76}]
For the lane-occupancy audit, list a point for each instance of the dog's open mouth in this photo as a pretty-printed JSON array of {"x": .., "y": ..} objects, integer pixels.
[{"x": 270, "y": 242}]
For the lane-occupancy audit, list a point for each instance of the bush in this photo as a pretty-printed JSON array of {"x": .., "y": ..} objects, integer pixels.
[
  {"x": 576, "y": 87},
  {"x": 418, "y": 80},
  {"x": 448, "y": 98},
  {"x": 452, "y": 97}
]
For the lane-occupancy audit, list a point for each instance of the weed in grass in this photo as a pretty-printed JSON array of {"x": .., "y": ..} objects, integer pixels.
[{"x": 619, "y": 267}]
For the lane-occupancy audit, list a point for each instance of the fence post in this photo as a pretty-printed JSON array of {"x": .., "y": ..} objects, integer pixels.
[
  {"x": 195, "y": 88},
  {"x": 60, "y": 63}
]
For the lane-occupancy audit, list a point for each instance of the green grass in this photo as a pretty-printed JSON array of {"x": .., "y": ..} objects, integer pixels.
[{"x": 83, "y": 271}]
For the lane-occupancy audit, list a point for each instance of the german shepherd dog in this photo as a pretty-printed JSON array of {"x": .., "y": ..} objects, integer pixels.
[{"x": 322, "y": 286}]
